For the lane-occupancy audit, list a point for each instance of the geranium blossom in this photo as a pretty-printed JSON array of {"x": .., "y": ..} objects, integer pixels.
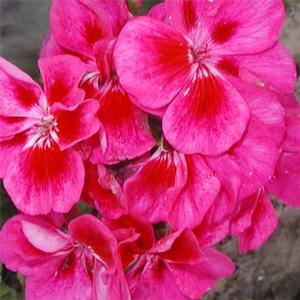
[
  {"x": 167, "y": 265},
  {"x": 38, "y": 130},
  {"x": 61, "y": 265},
  {"x": 178, "y": 68},
  {"x": 92, "y": 39},
  {"x": 172, "y": 187}
]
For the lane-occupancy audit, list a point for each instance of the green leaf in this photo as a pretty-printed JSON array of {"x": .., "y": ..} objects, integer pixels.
[{"x": 7, "y": 293}]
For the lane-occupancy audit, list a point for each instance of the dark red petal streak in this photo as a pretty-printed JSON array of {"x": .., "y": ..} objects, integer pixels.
[
  {"x": 227, "y": 65},
  {"x": 223, "y": 31},
  {"x": 189, "y": 13}
]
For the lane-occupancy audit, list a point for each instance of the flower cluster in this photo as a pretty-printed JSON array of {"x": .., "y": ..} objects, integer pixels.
[{"x": 173, "y": 128}]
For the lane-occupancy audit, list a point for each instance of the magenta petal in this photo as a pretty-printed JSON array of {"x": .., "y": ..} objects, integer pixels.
[
  {"x": 197, "y": 279},
  {"x": 153, "y": 282},
  {"x": 198, "y": 194},
  {"x": 256, "y": 155},
  {"x": 246, "y": 27},
  {"x": 40, "y": 180},
  {"x": 104, "y": 191},
  {"x": 215, "y": 224},
  {"x": 289, "y": 101},
  {"x": 285, "y": 182},
  {"x": 61, "y": 75},
  {"x": 91, "y": 232},
  {"x": 273, "y": 68},
  {"x": 229, "y": 174},
  {"x": 21, "y": 255},
  {"x": 175, "y": 197},
  {"x": 13, "y": 254},
  {"x": 19, "y": 94},
  {"x": 76, "y": 27},
  {"x": 155, "y": 185},
  {"x": 137, "y": 228},
  {"x": 44, "y": 237},
  {"x": 158, "y": 11},
  {"x": 9, "y": 151},
  {"x": 126, "y": 133},
  {"x": 71, "y": 282},
  {"x": 103, "y": 51},
  {"x": 291, "y": 142},
  {"x": 77, "y": 123},
  {"x": 262, "y": 224},
  {"x": 152, "y": 61},
  {"x": 178, "y": 247},
  {"x": 265, "y": 105},
  {"x": 242, "y": 218},
  {"x": 208, "y": 116},
  {"x": 10, "y": 126},
  {"x": 51, "y": 48},
  {"x": 108, "y": 285},
  {"x": 112, "y": 14}
]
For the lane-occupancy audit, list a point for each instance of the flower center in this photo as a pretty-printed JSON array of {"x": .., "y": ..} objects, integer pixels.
[
  {"x": 46, "y": 125},
  {"x": 198, "y": 55},
  {"x": 43, "y": 133}
]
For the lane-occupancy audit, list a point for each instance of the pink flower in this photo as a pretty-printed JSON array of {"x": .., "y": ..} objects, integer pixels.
[
  {"x": 172, "y": 187},
  {"x": 62, "y": 265},
  {"x": 178, "y": 68},
  {"x": 88, "y": 29},
  {"x": 38, "y": 130},
  {"x": 169, "y": 266},
  {"x": 175, "y": 268}
]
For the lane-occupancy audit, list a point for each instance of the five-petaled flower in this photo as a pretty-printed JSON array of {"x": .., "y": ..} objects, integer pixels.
[{"x": 39, "y": 166}]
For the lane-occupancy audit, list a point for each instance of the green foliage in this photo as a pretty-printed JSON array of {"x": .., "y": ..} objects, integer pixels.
[
  {"x": 7, "y": 293},
  {"x": 11, "y": 285},
  {"x": 7, "y": 209}
]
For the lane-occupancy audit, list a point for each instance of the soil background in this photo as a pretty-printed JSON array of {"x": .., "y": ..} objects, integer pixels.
[{"x": 270, "y": 273}]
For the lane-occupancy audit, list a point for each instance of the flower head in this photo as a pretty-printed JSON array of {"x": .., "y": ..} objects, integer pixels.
[{"x": 39, "y": 165}]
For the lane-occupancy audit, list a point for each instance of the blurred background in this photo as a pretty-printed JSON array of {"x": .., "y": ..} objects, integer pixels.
[{"x": 270, "y": 273}]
